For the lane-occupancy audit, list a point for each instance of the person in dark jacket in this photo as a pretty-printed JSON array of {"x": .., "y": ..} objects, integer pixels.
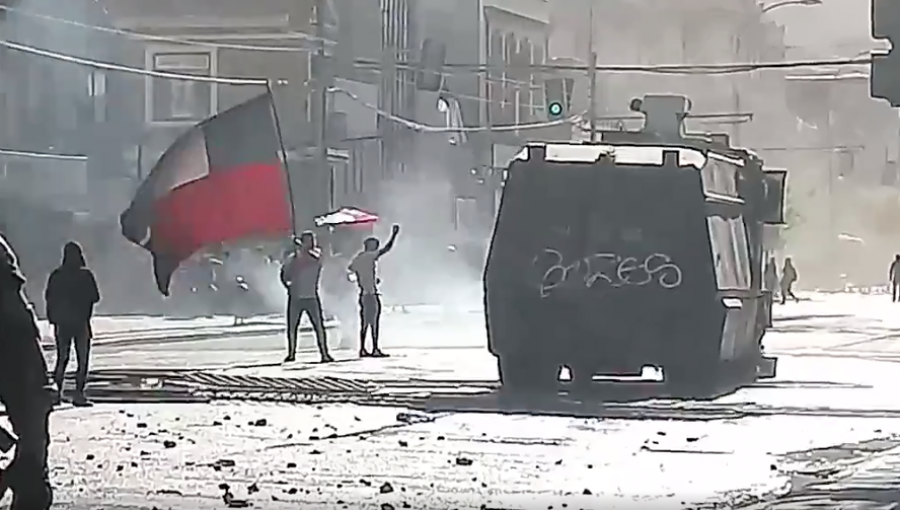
[
  {"x": 70, "y": 298},
  {"x": 301, "y": 276},
  {"x": 788, "y": 279},
  {"x": 894, "y": 276},
  {"x": 25, "y": 390}
]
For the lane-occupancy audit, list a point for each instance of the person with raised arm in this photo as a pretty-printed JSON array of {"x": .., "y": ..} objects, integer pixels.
[{"x": 364, "y": 269}]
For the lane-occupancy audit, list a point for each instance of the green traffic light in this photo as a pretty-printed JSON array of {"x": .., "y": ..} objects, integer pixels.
[{"x": 555, "y": 109}]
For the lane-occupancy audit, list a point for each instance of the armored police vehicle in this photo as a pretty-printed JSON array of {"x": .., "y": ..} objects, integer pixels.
[{"x": 644, "y": 249}]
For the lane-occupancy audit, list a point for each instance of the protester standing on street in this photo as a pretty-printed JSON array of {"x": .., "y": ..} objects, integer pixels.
[
  {"x": 300, "y": 275},
  {"x": 70, "y": 298},
  {"x": 894, "y": 275},
  {"x": 25, "y": 390},
  {"x": 788, "y": 279},
  {"x": 364, "y": 269},
  {"x": 770, "y": 283}
]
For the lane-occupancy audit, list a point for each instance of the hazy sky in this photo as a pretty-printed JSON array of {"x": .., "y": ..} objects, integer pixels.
[{"x": 836, "y": 26}]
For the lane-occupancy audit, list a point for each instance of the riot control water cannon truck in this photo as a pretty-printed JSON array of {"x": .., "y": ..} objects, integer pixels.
[{"x": 642, "y": 249}]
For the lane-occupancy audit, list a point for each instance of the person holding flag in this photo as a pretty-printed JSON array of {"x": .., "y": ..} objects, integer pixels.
[{"x": 301, "y": 275}]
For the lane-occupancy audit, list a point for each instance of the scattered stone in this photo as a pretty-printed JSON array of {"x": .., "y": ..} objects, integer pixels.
[
  {"x": 168, "y": 443},
  {"x": 386, "y": 488},
  {"x": 462, "y": 461},
  {"x": 262, "y": 422},
  {"x": 141, "y": 425}
]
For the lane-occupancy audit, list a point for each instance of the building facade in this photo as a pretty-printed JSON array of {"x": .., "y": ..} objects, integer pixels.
[{"x": 694, "y": 32}]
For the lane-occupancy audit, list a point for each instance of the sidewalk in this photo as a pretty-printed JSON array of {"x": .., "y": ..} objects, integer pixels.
[
  {"x": 872, "y": 485},
  {"x": 118, "y": 329}
]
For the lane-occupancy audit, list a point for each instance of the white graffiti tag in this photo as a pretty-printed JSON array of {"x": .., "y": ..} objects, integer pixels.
[{"x": 607, "y": 269}]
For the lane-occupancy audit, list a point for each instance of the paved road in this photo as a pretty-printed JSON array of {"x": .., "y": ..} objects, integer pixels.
[
  {"x": 419, "y": 327},
  {"x": 828, "y": 394}
]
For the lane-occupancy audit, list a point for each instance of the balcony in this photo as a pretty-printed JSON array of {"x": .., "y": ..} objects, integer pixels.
[{"x": 535, "y": 10}]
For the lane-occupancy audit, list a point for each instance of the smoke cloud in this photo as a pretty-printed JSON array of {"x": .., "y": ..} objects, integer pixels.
[{"x": 438, "y": 259}]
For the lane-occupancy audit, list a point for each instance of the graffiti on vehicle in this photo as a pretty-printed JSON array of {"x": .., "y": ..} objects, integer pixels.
[{"x": 606, "y": 269}]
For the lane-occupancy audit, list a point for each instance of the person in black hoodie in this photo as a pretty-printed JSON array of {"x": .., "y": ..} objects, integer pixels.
[
  {"x": 70, "y": 298},
  {"x": 25, "y": 390}
]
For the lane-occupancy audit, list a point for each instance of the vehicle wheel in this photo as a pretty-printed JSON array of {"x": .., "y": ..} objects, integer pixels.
[
  {"x": 692, "y": 380},
  {"x": 524, "y": 373},
  {"x": 582, "y": 375}
]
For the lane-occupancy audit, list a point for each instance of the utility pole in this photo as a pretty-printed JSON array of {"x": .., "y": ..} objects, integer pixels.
[
  {"x": 321, "y": 82},
  {"x": 592, "y": 75}
]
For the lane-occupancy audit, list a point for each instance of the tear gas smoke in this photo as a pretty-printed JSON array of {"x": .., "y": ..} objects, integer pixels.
[{"x": 439, "y": 256}]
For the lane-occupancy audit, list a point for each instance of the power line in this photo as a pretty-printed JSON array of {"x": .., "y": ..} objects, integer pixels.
[
  {"x": 162, "y": 38},
  {"x": 262, "y": 82},
  {"x": 703, "y": 69},
  {"x": 24, "y": 48}
]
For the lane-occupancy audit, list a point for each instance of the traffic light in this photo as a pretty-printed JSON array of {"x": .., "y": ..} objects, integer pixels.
[
  {"x": 884, "y": 78},
  {"x": 558, "y": 92}
]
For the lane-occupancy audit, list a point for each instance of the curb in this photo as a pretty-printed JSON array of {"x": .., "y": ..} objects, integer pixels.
[{"x": 161, "y": 337}]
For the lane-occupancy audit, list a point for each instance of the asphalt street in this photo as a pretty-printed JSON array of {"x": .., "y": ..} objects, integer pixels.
[{"x": 832, "y": 411}]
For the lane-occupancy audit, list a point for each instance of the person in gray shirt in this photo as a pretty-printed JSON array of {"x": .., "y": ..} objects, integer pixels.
[{"x": 300, "y": 275}]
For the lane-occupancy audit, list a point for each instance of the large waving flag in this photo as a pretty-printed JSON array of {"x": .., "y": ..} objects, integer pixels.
[{"x": 221, "y": 181}]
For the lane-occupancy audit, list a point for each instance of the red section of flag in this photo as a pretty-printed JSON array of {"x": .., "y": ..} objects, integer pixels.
[
  {"x": 221, "y": 181},
  {"x": 229, "y": 204}
]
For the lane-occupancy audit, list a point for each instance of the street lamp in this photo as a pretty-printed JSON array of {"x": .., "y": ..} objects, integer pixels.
[{"x": 785, "y": 3}]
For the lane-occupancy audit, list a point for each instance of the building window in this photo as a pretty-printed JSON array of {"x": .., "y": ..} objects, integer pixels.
[
  {"x": 465, "y": 214},
  {"x": 509, "y": 87},
  {"x": 524, "y": 75},
  {"x": 96, "y": 91},
  {"x": 495, "y": 76},
  {"x": 173, "y": 100},
  {"x": 537, "y": 82}
]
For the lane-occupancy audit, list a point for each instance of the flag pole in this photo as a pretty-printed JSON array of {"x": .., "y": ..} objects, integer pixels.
[{"x": 284, "y": 161}]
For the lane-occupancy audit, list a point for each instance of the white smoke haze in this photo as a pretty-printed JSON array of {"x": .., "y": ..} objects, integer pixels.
[{"x": 423, "y": 268}]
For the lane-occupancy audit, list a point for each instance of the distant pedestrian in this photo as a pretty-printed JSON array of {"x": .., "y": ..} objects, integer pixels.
[
  {"x": 70, "y": 296},
  {"x": 894, "y": 276},
  {"x": 300, "y": 275},
  {"x": 788, "y": 279},
  {"x": 365, "y": 270},
  {"x": 770, "y": 284}
]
